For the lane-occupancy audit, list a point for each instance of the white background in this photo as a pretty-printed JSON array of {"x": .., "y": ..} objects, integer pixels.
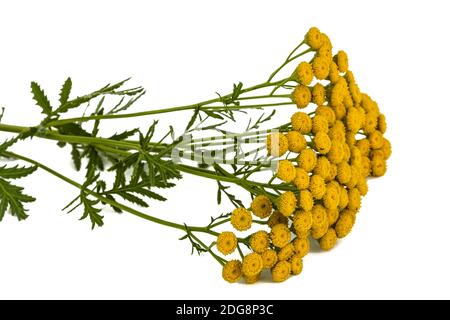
[{"x": 184, "y": 51}]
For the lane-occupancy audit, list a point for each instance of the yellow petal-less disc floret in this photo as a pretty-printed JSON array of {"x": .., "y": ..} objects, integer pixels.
[
  {"x": 301, "y": 96},
  {"x": 381, "y": 123},
  {"x": 319, "y": 231},
  {"x": 226, "y": 242},
  {"x": 341, "y": 60},
  {"x": 252, "y": 264},
  {"x": 328, "y": 113},
  {"x": 286, "y": 171},
  {"x": 362, "y": 186},
  {"x": 275, "y": 218},
  {"x": 307, "y": 159},
  {"x": 344, "y": 224},
  {"x": 343, "y": 198},
  {"x": 281, "y": 271},
  {"x": 252, "y": 279},
  {"x": 231, "y": 271},
  {"x": 313, "y": 38},
  {"x": 337, "y": 131},
  {"x": 322, "y": 167},
  {"x": 331, "y": 197},
  {"x": 261, "y": 206},
  {"x": 241, "y": 219},
  {"x": 259, "y": 241},
  {"x": 301, "y": 180},
  {"x": 301, "y": 122},
  {"x": 328, "y": 241},
  {"x": 301, "y": 246},
  {"x": 364, "y": 146},
  {"x": 319, "y": 216},
  {"x": 321, "y": 67},
  {"x": 333, "y": 74},
  {"x": 280, "y": 235},
  {"x": 296, "y": 264},
  {"x": 286, "y": 203},
  {"x": 317, "y": 186},
  {"x": 286, "y": 252},
  {"x": 277, "y": 144},
  {"x": 376, "y": 139},
  {"x": 322, "y": 142},
  {"x": 333, "y": 215},
  {"x": 296, "y": 141},
  {"x": 303, "y": 73},
  {"x": 318, "y": 94},
  {"x": 269, "y": 257},
  {"x": 386, "y": 148},
  {"x": 378, "y": 166},
  {"x": 319, "y": 124},
  {"x": 302, "y": 221},
  {"x": 305, "y": 200},
  {"x": 336, "y": 152},
  {"x": 354, "y": 199},
  {"x": 344, "y": 172}
]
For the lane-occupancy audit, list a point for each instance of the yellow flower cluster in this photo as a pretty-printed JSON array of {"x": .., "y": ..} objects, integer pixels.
[{"x": 331, "y": 152}]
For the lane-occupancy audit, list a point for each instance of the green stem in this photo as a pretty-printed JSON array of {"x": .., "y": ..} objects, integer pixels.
[
  {"x": 109, "y": 201},
  {"x": 160, "y": 111}
]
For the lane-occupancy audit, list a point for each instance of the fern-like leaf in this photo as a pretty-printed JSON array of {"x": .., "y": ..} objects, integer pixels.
[
  {"x": 41, "y": 99},
  {"x": 65, "y": 92}
]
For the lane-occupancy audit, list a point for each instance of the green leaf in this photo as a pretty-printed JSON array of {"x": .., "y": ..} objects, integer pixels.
[
  {"x": 91, "y": 211},
  {"x": 41, "y": 99},
  {"x": 76, "y": 157},
  {"x": 73, "y": 129},
  {"x": 65, "y": 92},
  {"x": 133, "y": 199},
  {"x": 12, "y": 197},
  {"x": 124, "y": 135},
  {"x": 16, "y": 172}
]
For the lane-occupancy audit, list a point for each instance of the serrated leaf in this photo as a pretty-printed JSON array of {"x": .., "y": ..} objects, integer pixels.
[
  {"x": 149, "y": 194},
  {"x": 16, "y": 172},
  {"x": 12, "y": 197},
  {"x": 133, "y": 199},
  {"x": 65, "y": 92},
  {"x": 40, "y": 98},
  {"x": 124, "y": 135},
  {"x": 76, "y": 157},
  {"x": 91, "y": 211},
  {"x": 74, "y": 129}
]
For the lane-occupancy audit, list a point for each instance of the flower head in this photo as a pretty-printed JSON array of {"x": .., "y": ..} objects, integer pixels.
[
  {"x": 286, "y": 171},
  {"x": 286, "y": 203},
  {"x": 307, "y": 159},
  {"x": 321, "y": 67},
  {"x": 305, "y": 200},
  {"x": 281, "y": 271},
  {"x": 296, "y": 141},
  {"x": 280, "y": 235},
  {"x": 226, "y": 242},
  {"x": 259, "y": 241},
  {"x": 296, "y": 264},
  {"x": 252, "y": 264},
  {"x": 241, "y": 219},
  {"x": 301, "y": 96},
  {"x": 328, "y": 241},
  {"x": 301, "y": 122},
  {"x": 304, "y": 73},
  {"x": 261, "y": 206},
  {"x": 231, "y": 271},
  {"x": 269, "y": 257},
  {"x": 313, "y": 38}
]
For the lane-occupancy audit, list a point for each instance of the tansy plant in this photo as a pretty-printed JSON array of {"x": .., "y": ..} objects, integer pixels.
[{"x": 323, "y": 157}]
